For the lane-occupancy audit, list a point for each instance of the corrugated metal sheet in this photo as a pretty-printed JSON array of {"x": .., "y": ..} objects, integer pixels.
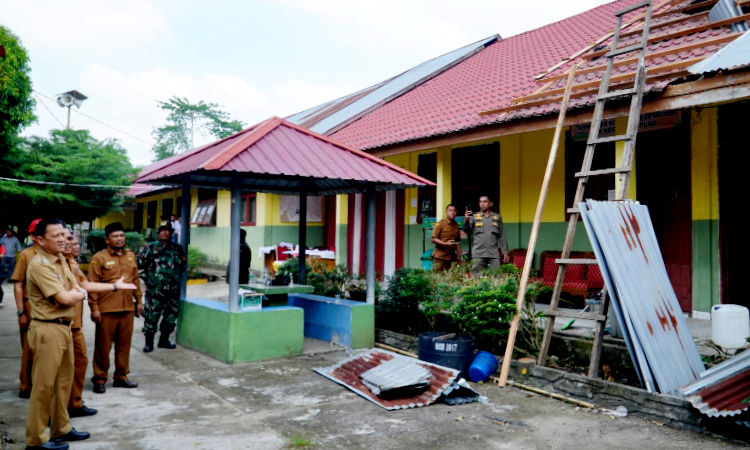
[
  {"x": 636, "y": 352},
  {"x": 723, "y": 390},
  {"x": 277, "y": 156},
  {"x": 726, "y": 9},
  {"x": 139, "y": 189},
  {"x": 334, "y": 115},
  {"x": 649, "y": 305},
  {"x": 736, "y": 55},
  {"x": 347, "y": 373}
]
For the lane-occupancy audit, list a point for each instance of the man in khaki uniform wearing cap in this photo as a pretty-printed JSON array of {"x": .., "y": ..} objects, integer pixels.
[
  {"x": 22, "y": 305},
  {"x": 53, "y": 293},
  {"x": 113, "y": 311}
]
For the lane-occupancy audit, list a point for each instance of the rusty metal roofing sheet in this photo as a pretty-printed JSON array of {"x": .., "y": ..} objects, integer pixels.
[
  {"x": 277, "y": 156},
  {"x": 645, "y": 293},
  {"x": 347, "y": 373},
  {"x": 336, "y": 114},
  {"x": 723, "y": 390}
]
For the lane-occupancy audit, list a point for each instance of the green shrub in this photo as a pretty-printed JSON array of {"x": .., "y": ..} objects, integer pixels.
[
  {"x": 485, "y": 310},
  {"x": 290, "y": 267},
  {"x": 399, "y": 309},
  {"x": 196, "y": 259}
]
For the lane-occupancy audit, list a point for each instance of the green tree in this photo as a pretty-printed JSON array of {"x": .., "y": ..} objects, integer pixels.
[
  {"x": 67, "y": 156},
  {"x": 184, "y": 120},
  {"x": 16, "y": 102}
]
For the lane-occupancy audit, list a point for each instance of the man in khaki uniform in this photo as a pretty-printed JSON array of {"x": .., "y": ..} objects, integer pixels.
[
  {"x": 22, "y": 305},
  {"x": 490, "y": 243},
  {"x": 53, "y": 293},
  {"x": 113, "y": 311},
  {"x": 447, "y": 239}
]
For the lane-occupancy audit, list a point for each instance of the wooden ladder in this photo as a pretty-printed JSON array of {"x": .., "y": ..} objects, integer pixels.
[{"x": 624, "y": 172}]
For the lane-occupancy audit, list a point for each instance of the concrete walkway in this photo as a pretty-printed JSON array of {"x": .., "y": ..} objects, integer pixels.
[{"x": 189, "y": 401}]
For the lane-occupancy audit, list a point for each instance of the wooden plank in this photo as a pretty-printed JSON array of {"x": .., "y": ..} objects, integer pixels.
[
  {"x": 535, "y": 230},
  {"x": 599, "y": 41},
  {"x": 685, "y": 9},
  {"x": 592, "y": 87},
  {"x": 670, "y": 51},
  {"x": 681, "y": 33},
  {"x": 574, "y": 314},
  {"x": 553, "y": 395},
  {"x": 581, "y": 261},
  {"x": 666, "y": 23}
]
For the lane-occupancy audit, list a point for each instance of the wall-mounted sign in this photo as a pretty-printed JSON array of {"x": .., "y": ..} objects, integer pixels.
[
  {"x": 648, "y": 122},
  {"x": 289, "y": 210}
]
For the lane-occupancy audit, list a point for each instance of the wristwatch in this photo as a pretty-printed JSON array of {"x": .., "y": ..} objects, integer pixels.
[
  {"x": 20, "y": 313},
  {"x": 114, "y": 286}
]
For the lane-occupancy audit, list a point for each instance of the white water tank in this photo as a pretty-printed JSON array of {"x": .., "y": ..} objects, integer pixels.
[{"x": 730, "y": 326}]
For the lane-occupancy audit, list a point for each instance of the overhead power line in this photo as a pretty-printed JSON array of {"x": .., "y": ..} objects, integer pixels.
[
  {"x": 47, "y": 108},
  {"x": 102, "y": 186}
]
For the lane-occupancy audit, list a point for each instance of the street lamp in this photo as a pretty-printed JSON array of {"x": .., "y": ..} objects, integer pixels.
[{"x": 68, "y": 99}]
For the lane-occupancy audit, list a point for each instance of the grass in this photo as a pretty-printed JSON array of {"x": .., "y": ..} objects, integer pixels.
[{"x": 296, "y": 440}]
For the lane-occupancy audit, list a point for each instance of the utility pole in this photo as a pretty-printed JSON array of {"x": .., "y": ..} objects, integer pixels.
[{"x": 68, "y": 99}]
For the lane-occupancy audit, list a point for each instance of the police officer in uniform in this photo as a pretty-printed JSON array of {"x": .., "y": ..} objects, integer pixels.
[
  {"x": 22, "y": 305},
  {"x": 113, "y": 311},
  {"x": 53, "y": 293},
  {"x": 161, "y": 264},
  {"x": 490, "y": 243}
]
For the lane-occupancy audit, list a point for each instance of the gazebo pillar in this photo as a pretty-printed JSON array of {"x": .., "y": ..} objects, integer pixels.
[
  {"x": 185, "y": 229},
  {"x": 370, "y": 244},
  {"x": 234, "y": 243},
  {"x": 302, "y": 273}
]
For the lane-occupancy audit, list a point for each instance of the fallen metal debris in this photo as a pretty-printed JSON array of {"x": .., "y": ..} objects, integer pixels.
[
  {"x": 398, "y": 373},
  {"x": 442, "y": 382},
  {"x": 723, "y": 390}
]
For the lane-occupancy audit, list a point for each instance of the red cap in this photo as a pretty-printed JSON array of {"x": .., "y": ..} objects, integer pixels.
[{"x": 32, "y": 227}]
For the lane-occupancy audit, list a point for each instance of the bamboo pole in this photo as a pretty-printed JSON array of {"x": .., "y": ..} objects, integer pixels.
[
  {"x": 396, "y": 350},
  {"x": 535, "y": 230}
]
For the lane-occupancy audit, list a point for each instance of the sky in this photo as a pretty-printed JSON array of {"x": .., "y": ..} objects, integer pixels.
[{"x": 254, "y": 58}]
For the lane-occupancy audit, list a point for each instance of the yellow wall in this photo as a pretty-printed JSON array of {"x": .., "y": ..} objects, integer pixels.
[
  {"x": 125, "y": 218},
  {"x": 409, "y": 162},
  {"x": 621, "y": 127},
  {"x": 704, "y": 164}
]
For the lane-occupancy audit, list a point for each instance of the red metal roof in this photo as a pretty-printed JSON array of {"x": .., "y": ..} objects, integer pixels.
[
  {"x": 505, "y": 70},
  {"x": 274, "y": 155},
  {"x": 347, "y": 373},
  {"x": 138, "y": 189}
]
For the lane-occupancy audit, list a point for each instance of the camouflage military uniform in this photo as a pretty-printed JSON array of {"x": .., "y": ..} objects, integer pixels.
[{"x": 161, "y": 265}]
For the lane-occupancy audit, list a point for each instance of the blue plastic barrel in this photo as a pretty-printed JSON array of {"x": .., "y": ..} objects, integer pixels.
[{"x": 483, "y": 366}]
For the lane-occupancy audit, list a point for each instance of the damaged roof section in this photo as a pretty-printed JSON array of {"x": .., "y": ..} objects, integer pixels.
[
  {"x": 723, "y": 390},
  {"x": 442, "y": 381},
  {"x": 680, "y": 36}
]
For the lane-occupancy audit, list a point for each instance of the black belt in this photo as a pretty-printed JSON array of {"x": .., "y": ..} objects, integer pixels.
[{"x": 65, "y": 322}]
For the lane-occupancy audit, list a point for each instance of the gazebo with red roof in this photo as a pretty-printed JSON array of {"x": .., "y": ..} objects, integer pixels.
[{"x": 278, "y": 157}]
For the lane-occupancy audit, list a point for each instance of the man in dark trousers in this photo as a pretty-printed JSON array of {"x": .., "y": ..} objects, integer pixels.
[
  {"x": 113, "y": 311},
  {"x": 490, "y": 243},
  {"x": 161, "y": 264}
]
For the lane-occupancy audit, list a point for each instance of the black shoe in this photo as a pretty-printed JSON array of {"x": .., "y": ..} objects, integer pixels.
[
  {"x": 50, "y": 445},
  {"x": 83, "y": 411},
  {"x": 149, "y": 347},
  {"x": 73, "y": 435},
  {"x": 24, "y": 394},
  {"x": 164, "y": 342},
  {"x": 127, "y": 384},
  {"x": 99, "y": 388}
]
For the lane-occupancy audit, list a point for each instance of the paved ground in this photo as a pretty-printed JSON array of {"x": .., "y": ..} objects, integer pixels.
[{"x": 187, "y": 400}]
